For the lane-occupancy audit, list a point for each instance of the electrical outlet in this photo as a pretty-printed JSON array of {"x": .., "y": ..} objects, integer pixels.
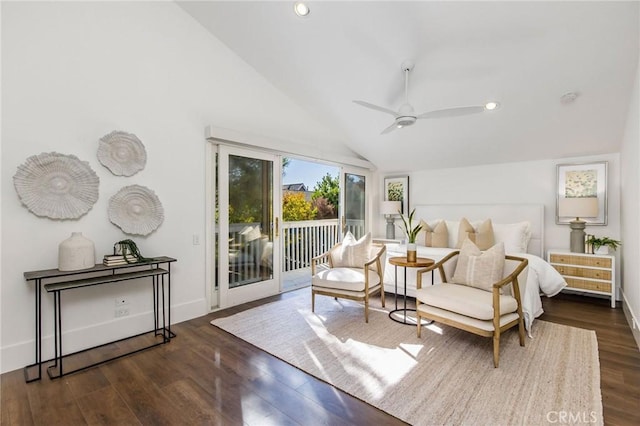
[
  {"x": 122, "y": 312},
  {"x": 196, "y": 239},
  {"x": 121, "y": 301}
]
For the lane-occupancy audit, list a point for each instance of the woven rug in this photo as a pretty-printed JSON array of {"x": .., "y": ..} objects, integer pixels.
[{"x": 444, "y": 377}]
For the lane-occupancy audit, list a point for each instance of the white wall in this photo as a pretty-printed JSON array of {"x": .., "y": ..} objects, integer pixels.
[
  {"x": 75, "y": 71},
  {"x": 630, "y": 210}
]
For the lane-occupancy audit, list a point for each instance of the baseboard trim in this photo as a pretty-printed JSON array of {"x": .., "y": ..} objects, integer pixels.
[
  {"x": 18, "y": 355},
  {"x": 632, "y": 319}
]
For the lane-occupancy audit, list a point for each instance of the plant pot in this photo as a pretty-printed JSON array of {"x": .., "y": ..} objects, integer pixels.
[
  {"x": 602, "y": 250},
  {"x": 412, "y": 253}
]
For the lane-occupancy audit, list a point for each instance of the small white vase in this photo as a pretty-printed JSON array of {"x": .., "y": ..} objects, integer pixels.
[{"x": 76, "y": 252}]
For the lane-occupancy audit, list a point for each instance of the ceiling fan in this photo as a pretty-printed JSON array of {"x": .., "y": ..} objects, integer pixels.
[{"x": 406, "y": 116}]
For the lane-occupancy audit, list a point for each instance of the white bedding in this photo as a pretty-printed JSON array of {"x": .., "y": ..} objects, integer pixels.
[{"x": 541, "y": 278}]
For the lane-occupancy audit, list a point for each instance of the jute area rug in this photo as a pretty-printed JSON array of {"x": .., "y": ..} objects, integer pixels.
[{"x": 445, "y": 377}]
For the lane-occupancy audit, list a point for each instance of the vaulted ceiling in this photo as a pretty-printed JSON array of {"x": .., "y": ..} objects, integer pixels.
[{"x": 525, "y": 55}]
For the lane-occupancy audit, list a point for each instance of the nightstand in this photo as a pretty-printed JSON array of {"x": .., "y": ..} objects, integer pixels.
[
  {"x": 382, "y": 240},
  {"x": 586, "y": 273}
]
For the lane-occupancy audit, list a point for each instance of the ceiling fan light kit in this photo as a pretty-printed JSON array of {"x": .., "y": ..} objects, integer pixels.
[{"x": 406, "y": 116}]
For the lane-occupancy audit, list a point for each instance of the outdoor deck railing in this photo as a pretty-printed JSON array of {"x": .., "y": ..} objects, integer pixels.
[
  {"x": 249, "y": 250},
  {"x": 306, "y": 239}
]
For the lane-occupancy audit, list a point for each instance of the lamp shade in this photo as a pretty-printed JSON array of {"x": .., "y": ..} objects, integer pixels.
[
  {"x": 390, "y": 207},
  {"x": 578, "y": 207}
]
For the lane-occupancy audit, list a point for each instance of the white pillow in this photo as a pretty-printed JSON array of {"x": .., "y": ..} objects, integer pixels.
[
  {"x": 352, "y": 253},
  {"x": 515, "y": 236},
  {"x": 452, "y": 228}
]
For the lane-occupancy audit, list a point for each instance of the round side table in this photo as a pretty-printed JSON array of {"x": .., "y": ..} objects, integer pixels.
[{"x": 421, "y": 262}]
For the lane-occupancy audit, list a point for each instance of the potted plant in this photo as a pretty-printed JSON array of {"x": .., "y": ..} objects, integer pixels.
[
  {"x": 129, "y": 249},
  {"x": 412, "y": 233},
  {"x": 601, "y": 245}
]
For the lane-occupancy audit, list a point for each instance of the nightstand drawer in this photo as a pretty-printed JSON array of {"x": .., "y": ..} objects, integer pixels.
[
  {"x": 589, "y": 285},
  {"x": 598, "y": 262},
  {"x": 576, "y": 271}
]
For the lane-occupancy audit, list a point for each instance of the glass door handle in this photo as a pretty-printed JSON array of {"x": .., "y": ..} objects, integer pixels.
[{"x": 277, "y": 228}]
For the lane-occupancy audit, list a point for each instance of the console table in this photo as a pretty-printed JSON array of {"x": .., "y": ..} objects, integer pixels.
[{"x": 56, "y": 282}]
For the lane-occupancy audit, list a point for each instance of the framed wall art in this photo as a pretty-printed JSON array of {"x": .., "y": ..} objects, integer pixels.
[
  {"x": 582, "y": 181},
  {"x": 396, "y": 188}
]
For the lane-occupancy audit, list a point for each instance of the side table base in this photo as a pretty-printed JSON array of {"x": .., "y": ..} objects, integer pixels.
[{"x": 403, "y": 318}]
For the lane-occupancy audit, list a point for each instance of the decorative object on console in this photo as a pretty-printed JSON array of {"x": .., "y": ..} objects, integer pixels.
[
  {"x": 124, "y": 252},
  {"x": 390, "y": 209},
  {"x": 584, "y": 207},
  {"x": 76, "y": 253},
  {"x": 412, "y": 233},
  {"x": 56, "y": 186},
  {"x": 582, "y": 181},
  {"x": 136, "y": 210},
  {"x": 396, "y": 188},
  {"x": 600, "y": 245},
  {"x": 122, "y": 153}
]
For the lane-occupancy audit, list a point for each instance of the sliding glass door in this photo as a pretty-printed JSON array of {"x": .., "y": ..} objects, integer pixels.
[
  {"x": 354, "y": 209},
  {"x": 248, "y": 212}
]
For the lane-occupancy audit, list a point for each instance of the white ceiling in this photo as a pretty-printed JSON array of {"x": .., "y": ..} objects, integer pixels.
[{"x": 525, "y": 55}]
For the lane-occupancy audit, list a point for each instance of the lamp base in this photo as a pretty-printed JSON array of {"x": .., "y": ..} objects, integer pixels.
[
  {"x": 391, "y": 228},
  {"x": 577, "y": 236}
]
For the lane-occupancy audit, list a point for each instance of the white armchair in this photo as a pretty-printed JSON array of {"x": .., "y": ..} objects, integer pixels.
[
  {"x": 356, "y": 281},
  {"x": 487, "y": 311}
]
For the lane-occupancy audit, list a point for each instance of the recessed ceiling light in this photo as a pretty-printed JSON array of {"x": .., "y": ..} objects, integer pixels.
[
  {"x": 491, "y": 106},
  {"x": 301, "y": 9}
]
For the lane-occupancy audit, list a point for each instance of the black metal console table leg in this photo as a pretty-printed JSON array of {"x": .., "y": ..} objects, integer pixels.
[{"x": 38, "y": 335}]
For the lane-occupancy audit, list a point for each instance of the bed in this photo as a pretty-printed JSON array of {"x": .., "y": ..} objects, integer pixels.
[{"x": 519, "y": 226}]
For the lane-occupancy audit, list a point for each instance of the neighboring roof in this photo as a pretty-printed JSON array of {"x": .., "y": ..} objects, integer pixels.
[{"x": 294, "y": 187}]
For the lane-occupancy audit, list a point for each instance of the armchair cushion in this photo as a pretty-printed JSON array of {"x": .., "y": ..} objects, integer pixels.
[
  {"x": 478, "y": 269},
  {"x": 351, "y": 279},
  {"x": 352, "y": 253},
  {"x": 465, "y": 300}
]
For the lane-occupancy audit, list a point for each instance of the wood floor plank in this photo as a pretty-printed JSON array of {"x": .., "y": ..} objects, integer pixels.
[
  {"x": 105, "y": 407},
  {"x": 207, "y": 376}
]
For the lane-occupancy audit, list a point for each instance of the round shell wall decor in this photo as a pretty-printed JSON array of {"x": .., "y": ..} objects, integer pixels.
[
  {"x": 56, "y": 185},
  {"x": 136, "y": 210},
  {"x": 122, "y": 153}
]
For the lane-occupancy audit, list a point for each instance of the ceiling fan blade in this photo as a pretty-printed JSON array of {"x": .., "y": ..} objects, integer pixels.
[
  {"x": 389, "y": 129},
  {"x": 452, "y": 112},
  {"x": 377, "y": 108}
]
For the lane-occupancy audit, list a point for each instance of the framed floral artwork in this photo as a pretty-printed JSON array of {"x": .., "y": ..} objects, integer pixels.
[
  {"x": 583, "y": 181},
  {"x": 396, "y": 188}
]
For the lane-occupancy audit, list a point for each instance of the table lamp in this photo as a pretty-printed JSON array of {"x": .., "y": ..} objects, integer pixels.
[
  {"x": 390, "y": 209},
  {"x": 578, "y": 207}
]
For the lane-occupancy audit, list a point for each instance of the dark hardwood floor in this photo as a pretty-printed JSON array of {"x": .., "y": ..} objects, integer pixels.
[{"x": 206, "y": 376}]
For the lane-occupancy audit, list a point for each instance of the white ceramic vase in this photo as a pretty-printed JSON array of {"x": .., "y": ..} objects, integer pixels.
[{"x": 76, "y": 252}]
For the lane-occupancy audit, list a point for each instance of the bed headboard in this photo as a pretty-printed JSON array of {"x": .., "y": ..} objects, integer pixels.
[{"x": 498, "y": 213}]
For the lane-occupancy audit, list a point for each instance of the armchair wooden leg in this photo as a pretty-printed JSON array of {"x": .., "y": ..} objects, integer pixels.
[
  {"x": 382, "y": 295},
  {"x": 521, "y": 331},
  {"x": 366, "y": 310},
  {"x": 313, "y": 301},
  {"x": 496, "y": 347}
]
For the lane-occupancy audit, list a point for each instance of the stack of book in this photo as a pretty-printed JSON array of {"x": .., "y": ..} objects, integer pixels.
[{"x": 118, "y": 259}]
